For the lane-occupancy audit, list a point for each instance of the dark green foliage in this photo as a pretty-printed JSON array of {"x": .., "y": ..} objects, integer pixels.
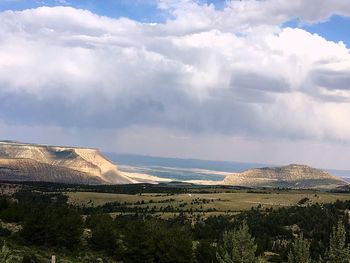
[
  {"x": 338, "y": 251},
  {"x": 48, "y": 221},
  {"x": 271, "y": 227},
  {"x": 50, "y": 226},
  {"x": 29, "y": 258},
  {"x": 14, "y": 213},
  {"x": 104, "y": 234},
  {"x": 68, "y": 225},
  {"x": 38, "y": 198},
  {"x": 4, "y": 203},
  {"x": 303, "y": 201},
  {"x": 156, "y": 241},
  {"x": 299, "y": 251},
  {"x": 117, "y": 189},
  {"x": 237, "y": 246},
  {"x": 213, "y": 227},
  {"x": 4, "y": 232},
  {"x": 205, "y": 252}
]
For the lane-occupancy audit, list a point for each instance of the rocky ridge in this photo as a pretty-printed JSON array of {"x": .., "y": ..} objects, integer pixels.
[
  {"x": 19, "y": 161},
  {"x": 290, "y": 176}
]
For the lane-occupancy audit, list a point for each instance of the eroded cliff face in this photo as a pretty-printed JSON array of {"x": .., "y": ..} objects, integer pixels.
[
  {"x": 31, "y": 170},
  {"x": 89, "y": 163},
  {"x": 291, "y": 176}
]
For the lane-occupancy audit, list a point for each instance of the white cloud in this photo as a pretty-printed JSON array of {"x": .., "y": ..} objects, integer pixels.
[
  {"x": 245, "y": 15},
  {"x": 233, "y": 71}
]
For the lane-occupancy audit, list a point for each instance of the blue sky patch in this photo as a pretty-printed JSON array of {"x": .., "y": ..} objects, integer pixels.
[
  {"x": 336, "y": 29},
  {"x": 143, "y": 11}
]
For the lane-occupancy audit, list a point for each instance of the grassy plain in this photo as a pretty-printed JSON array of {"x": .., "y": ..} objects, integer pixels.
[{"x": 234, "y": 201}]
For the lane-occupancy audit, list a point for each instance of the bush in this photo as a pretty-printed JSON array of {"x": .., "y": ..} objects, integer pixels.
[
  {"x": 104, "y": 234},
  {"x": 50, "y": 226},
  {"x": 29, "y": 259},
  {"x": 4, "y": 232}
]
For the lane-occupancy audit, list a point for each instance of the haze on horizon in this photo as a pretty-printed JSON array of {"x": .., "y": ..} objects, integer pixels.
[{"x": 250, "y": 81}]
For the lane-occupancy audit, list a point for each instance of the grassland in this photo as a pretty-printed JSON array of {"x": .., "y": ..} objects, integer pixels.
[{"x": 210, "y": 203}]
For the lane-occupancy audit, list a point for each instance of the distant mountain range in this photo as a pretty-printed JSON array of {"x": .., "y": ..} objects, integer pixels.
[{"x": 66, "y": 164}]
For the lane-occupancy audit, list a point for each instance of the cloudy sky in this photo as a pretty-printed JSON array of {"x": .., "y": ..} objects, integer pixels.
[{"x": 253, "y": 80}]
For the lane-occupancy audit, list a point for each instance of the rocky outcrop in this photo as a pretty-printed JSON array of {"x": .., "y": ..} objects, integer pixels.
[
  {"x": 291, "y": 176},
  {"x": 31, "y": 170},
  {"x": 48, "y": 163}
]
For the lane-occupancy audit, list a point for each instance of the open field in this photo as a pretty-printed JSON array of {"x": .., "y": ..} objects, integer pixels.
[{"x": 208, "y": 202}]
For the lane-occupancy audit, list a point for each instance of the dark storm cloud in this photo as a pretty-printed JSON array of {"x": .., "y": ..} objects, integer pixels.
[
  {"x": 332, "y": 79},
  {"x": 221, "y": 112}
]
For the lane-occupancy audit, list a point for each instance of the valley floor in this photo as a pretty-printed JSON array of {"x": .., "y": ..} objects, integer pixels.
[{"x": 205, "y": 204}]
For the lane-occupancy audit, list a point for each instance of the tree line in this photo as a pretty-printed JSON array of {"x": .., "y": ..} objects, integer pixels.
[{"x": 314, "y": 233}]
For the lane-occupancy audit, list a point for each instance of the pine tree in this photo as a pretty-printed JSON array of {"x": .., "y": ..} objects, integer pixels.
[
  {"x": 238, "y": 246},
  {"x": 300, "y": 251},
  {"x": 4, "y": 253},
  {"x": 338, "y": 251},
  {"x": 6, "y": 256},
  {"x": 205, "y": 252}
]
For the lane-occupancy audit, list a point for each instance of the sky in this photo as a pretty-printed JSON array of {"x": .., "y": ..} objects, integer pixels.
[{"x": 252, "y": 81}]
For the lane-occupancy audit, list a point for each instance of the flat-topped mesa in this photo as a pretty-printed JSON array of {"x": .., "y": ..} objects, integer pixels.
[
  {"x": 87, "y": 161},
  {"x": 32, "y": 170},
  {"x": 290, "y": 176}
]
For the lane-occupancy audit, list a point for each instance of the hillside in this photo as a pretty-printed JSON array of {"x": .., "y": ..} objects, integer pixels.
[
  {"x": 57, "y": 164},
  {"x": 31, "y": 170},
  {"x": 291, "y": 176}
]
